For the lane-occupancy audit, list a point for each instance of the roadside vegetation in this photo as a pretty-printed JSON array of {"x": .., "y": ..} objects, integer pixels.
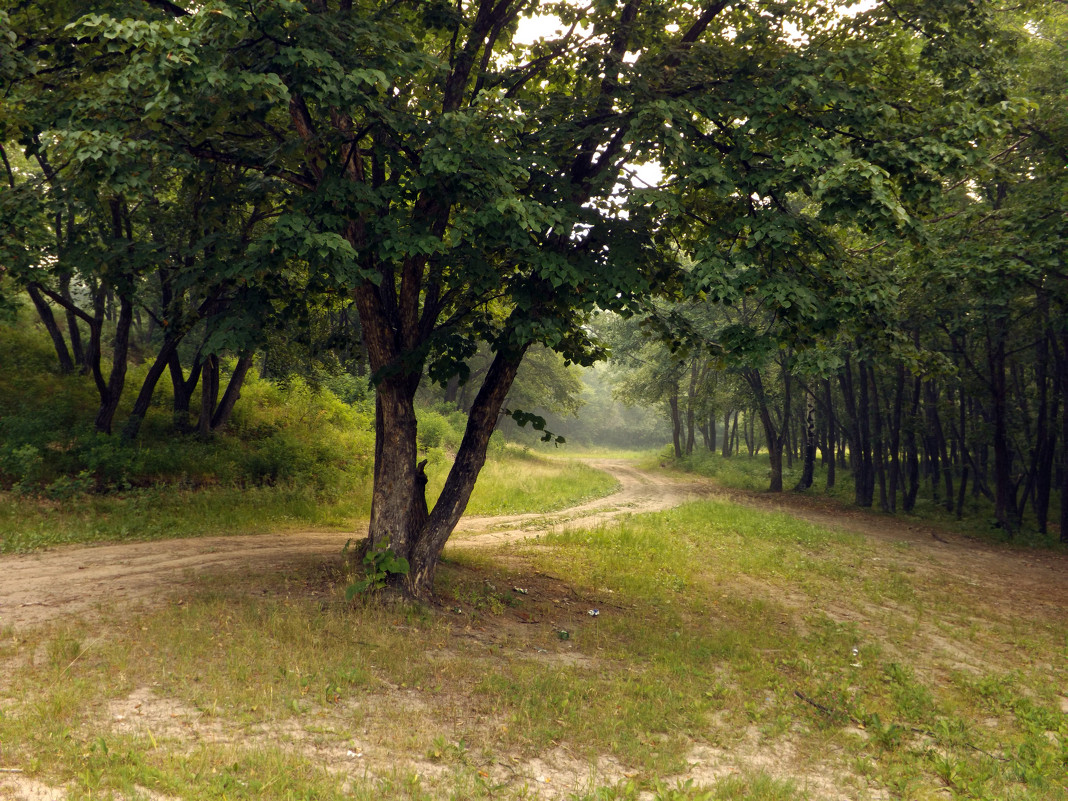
[{"x": 750, "y": 473}]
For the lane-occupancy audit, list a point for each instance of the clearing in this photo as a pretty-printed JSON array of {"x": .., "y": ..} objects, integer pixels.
[{"x": 858, "y": 657}]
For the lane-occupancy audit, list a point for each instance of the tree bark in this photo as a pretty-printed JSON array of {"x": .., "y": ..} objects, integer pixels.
[
  {"x": 233, "y": 392},
  {"x": 75, "y": 334},
  {"x": 44, "y": 311},
  {"x": 425, "y": 551},
  {"x": 829, "y": 434},
  {"x": 808, "y": 443},
  {"x": 912, "y": 457},
  {"x": 676, "y": 421},
  {"x": 109, "y": 399},
  {"x": 209, "y": 394},
  {"x": 878, "y": 449},
  {"x": 144, "y": 397},
  {"x": 772, "y": 433},
  {"x": 1004, "y": 489},
  {"x": 895, "y": 436}
]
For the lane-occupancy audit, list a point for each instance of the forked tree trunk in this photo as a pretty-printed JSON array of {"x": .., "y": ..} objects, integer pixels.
[
  {"x": 209, "y": 394},
  {"x": 425, "y": 550},
  {"x": 772, "y": 432}
]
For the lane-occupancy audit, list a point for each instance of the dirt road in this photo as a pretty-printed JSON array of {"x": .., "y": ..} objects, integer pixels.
[{"x": 38, "y": 587}]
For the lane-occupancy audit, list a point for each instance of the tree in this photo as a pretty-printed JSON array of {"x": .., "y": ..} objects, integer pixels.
[{"x": 467, "y": 188}]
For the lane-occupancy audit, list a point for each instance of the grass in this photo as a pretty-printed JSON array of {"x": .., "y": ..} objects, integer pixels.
[
  {"x": 512, "y": 482},
  {"x": 724, "y": 635},
  {"x": 523, "y": 482}
]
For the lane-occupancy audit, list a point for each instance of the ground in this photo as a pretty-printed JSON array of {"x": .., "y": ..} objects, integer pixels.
[{"x": 39, "y": 589}]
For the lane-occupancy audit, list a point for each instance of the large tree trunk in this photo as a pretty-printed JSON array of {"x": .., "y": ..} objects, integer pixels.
[{"x": 425, "y": 551}]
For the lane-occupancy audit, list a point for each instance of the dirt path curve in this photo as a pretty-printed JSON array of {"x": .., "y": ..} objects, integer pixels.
[
  {"x": 39, "y": 587},
  {"x": 36, "y": 588}
]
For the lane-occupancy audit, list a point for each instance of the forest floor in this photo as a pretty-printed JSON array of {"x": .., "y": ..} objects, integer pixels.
[{"x": 98, "y": 583}]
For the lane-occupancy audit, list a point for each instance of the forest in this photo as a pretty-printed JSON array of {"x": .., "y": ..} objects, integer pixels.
[{"x": 827, "y": 233}]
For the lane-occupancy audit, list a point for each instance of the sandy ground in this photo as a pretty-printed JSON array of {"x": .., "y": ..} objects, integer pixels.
[{"x": 39, "y": 587}]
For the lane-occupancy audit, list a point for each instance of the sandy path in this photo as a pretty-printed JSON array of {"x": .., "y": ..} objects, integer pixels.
[
  {"x": 42, "y": 586},
  {"x": 39, "y": 587}
]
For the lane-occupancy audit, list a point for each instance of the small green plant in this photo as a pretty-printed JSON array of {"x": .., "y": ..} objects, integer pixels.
[{"x": 378, "y": 565}]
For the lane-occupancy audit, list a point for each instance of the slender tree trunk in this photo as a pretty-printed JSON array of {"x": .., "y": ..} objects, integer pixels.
[
  {"x": 829, "y": 428},
  {"x": 1062, "y": 380},
  {"x": 808, "y": 443},
  {"x": 727, "y": 433},
  {"x": 912, "y": 457},
  {"x": 772, "y": 433},
  {"x": 691, "y": 403},
  {"x": 712, "y": 432},
  {"x": 1004, "y": 490},
  {"x": 895, "y": 436},
  {"x": 109, "y": 400},
  {"x": 209, "y": 394},
  {"x": 1045, "y": 436},
  {"x": 73, "y": 332},
  {"x": 44, "y": 311},
  {"x": 233, "y": 392},
  {"x": 878, "y": 448},
  {"x": 856, "y": 405},
  {"x": 144, "y": 397},
  {"x": 676, "y": 421}
]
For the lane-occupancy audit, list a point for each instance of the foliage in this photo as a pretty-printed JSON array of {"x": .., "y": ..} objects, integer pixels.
[{"x": 379, "y": 564}]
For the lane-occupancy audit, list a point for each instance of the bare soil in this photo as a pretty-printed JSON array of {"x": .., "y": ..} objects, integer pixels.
[{"x": 39, "y": 587}]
